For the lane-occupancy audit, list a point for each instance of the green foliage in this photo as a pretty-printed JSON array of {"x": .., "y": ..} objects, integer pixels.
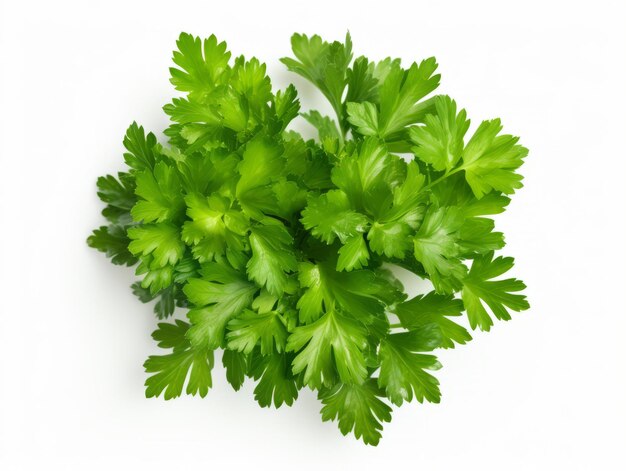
[{"x": 281, "y": 251}]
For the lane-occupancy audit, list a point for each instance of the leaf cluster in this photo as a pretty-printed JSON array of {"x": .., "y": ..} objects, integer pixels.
[{"x": 281, "y": 250}]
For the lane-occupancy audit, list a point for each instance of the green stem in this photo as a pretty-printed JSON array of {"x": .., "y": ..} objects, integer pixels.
[
  {"x": 443, "y": 177},
  {"x": 342, "y": 130},
  {"x": 395, "y": 326}
]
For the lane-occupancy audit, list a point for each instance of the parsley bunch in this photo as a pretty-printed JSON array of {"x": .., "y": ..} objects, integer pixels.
[{"x": 280, "y": 249}]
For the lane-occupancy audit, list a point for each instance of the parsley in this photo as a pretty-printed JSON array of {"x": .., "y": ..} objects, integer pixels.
[{"x": 279, "y": 248}]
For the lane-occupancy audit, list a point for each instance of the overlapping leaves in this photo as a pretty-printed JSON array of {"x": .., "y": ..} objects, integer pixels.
[{"x": 282, "y": 251}]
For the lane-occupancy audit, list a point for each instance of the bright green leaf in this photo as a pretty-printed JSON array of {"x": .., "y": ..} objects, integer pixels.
[
  {"x": 161, "y": 195},
  {"x": 490, "y": 160},
  {"x": 403, "y": 372},
  {"x": 277, "y": 385},
  {"x": 161, "y": 240},
  {"x": 358, "y": 408},
  {"x": 479, "y": 289},
  {"x": 252, "y": 328},
  {"x": 440, "y": 140},
  {"x": 272, "y": 257},
  {"x": 331, "y": 345},
  {"x": 219, "y": 295},
  {"x": 184, "y": 364},
  {"x": 436, "y": 247},
  {"x": 434, "y": 309}
]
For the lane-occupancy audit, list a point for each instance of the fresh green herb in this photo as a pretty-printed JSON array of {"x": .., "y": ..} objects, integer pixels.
[{"x": 281, "y": 250}]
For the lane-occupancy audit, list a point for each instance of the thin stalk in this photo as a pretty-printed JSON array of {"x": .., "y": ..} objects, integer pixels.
[
  {"x": 443, "y": 177},
  {"x": 342, "y": 130}
]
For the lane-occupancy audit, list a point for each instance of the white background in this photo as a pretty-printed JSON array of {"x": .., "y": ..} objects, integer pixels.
[{"x": 543, "y": 392}]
